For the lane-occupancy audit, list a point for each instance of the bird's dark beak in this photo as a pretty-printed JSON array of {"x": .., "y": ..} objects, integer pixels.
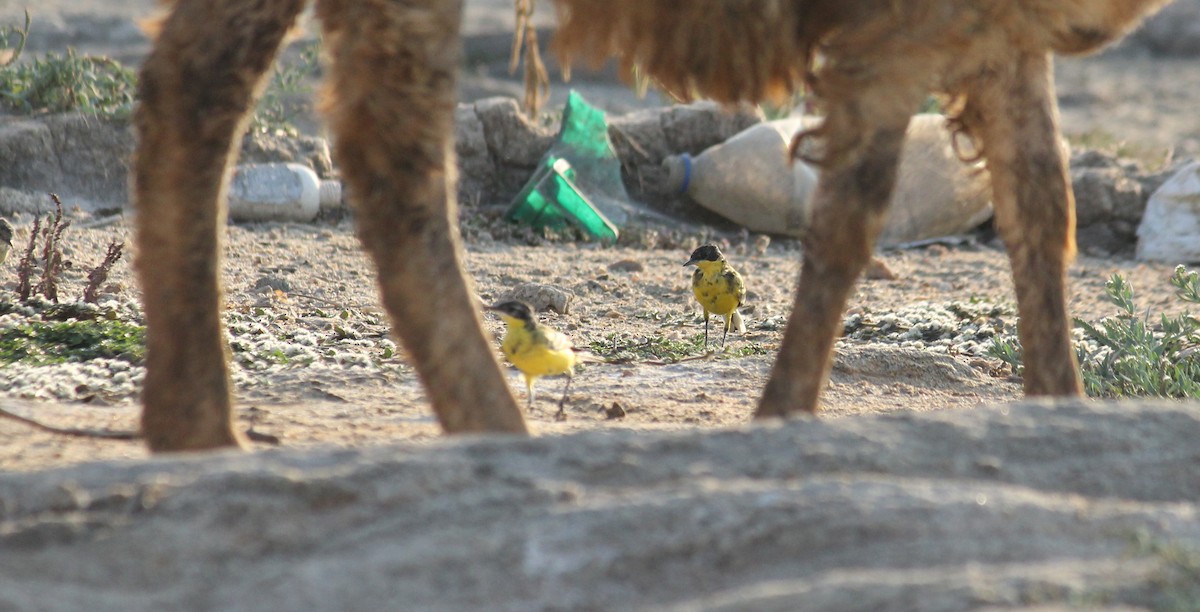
[{"x": 690, "y": 262}]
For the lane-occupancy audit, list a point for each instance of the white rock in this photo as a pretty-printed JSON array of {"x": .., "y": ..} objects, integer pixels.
[{"x": 1170, "y": 227}]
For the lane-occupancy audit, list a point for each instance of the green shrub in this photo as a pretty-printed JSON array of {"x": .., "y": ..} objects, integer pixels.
[
  {"x": 70, "y": 82},
  {"x": 40, "y": 343},
  {"x": 1127, "y": 355}
]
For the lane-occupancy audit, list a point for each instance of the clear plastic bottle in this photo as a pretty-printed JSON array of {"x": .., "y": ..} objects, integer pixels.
[
  {"x": 280, "y": 192},
  {"x": 749, "y": 179}
]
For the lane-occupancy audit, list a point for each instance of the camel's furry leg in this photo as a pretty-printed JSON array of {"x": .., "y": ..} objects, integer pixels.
[
  {"x": 391, "y": 105},
  {"x": 1015, "y": 115},
  {"x": 866, "y": 128},
  {"x": 195, "y": 88}
]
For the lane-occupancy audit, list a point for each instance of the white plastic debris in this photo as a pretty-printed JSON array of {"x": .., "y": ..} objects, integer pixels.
[
  {"x": 749, "y": 180},
  {"x": 280, "y": 192},
  {"x": 1170, "y": 227}
]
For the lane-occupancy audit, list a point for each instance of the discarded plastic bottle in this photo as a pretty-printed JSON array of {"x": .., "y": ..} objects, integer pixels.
[
  {"x": 749, "y": 179},
  {"x": 280, "y": 192}
]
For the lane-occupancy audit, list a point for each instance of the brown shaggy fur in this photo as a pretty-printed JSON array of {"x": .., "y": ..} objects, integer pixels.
[
  {"x": 871, "y": 62},
  {"x": 390, "y": 103}
]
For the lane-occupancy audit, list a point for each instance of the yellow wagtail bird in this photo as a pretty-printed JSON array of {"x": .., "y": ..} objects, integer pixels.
[
  {"x": 535, "y": 350},
  {"x": 718, "y": 288}
]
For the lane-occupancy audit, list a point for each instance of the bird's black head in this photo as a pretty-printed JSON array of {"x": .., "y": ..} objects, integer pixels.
[
  {"x": 514, "y": 309},
  {"x": 708, "y": 252}
]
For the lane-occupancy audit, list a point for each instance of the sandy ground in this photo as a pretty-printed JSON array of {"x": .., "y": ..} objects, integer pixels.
[
  {"x": 300, "y": 278},
  {"x": 301, "y": 274}
]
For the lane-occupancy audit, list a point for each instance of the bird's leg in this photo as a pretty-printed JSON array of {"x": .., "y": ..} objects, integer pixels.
[
  {"x": 705, "y": 329},
  {"x": 561, "y": 415},
  {"x": 528, "y": 393}
]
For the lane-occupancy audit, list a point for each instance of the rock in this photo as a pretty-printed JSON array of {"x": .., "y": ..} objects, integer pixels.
[
  {"x": 615, "y": 411},
  {"x": 476, "y": 170},
  {"x": 1110, "y": 197},
  {"x": 627, "y": 265},
  {"x": 694, "y": 127},
  {"x": 542, "y": 297},
  {"x": 1104, "y": 194},
  {"x": 82, "y": 158},
  {"x": 1170, "y": 228},
  {"x": 85, "y": 159},
  {"x": 514, "y": 144},
  {"x": 511, "y": 138},
  {"x": 311, "y": 151},
  {"x": 1101, "y": 240},
  {"x": 1046, "y": 503}
]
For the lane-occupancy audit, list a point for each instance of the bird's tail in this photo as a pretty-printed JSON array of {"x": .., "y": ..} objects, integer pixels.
[
  {"x": 582, "y": 356},
  {"x": 743, "y": 51},
  {"x": 736, "y": 322}
]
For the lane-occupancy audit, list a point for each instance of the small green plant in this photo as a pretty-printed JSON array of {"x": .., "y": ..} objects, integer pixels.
[
  {"x": 9, "y": 53},
  {"x": 747, "y": 349},
  {"x": 623, "y": 348},
  {"x": 276, "y": 110},
  {"x": 42, "y": 342},
  {"x": 70, "y": 82},
  {"x": 1129, "y": 356}
]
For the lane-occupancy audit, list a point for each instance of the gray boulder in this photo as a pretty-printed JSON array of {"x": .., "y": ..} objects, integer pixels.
[{"x": 1035, "y": 504}]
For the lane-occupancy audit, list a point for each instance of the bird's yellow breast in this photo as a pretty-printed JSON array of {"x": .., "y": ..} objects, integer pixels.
[
  {"x": 538, "y": 352},
  {"x": 717, "y": 287}
]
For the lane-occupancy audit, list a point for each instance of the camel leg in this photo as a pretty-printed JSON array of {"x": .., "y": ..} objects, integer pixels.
[
  {"x": 1016, "y": 117},
  {"x": 390, "y": 103},
  {"x": 848, "y": 214},
  {"x": 196, "y": 88}
]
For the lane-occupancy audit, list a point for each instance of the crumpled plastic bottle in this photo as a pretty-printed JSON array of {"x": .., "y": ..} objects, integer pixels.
[
  {"x": 750, "y": 180},
  {"x": 280, "y": 192}
]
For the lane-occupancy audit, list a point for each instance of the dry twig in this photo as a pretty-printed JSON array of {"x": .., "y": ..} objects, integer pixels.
[
  {"x": 107, "y": 434},
  {"x": 25, "y": 267},
  {"x": 116, "y": 434},
  {"x": 537, "y": 81},
  {"x": 52, "y": 255},
  {"x": 100, "y": 274}
]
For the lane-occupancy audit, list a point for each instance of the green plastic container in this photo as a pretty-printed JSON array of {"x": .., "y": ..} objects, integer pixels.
[{"x": 551, "y": 199}]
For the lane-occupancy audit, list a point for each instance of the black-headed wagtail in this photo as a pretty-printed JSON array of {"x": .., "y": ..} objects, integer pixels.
[
  {"x": 719, "y": 289},
  {"x": 535, "y": 349}
]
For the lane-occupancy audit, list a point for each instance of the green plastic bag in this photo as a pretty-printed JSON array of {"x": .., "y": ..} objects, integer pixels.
[
  {"x": 588, "y": 190},
  {"x": 551, "y": 199}
]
